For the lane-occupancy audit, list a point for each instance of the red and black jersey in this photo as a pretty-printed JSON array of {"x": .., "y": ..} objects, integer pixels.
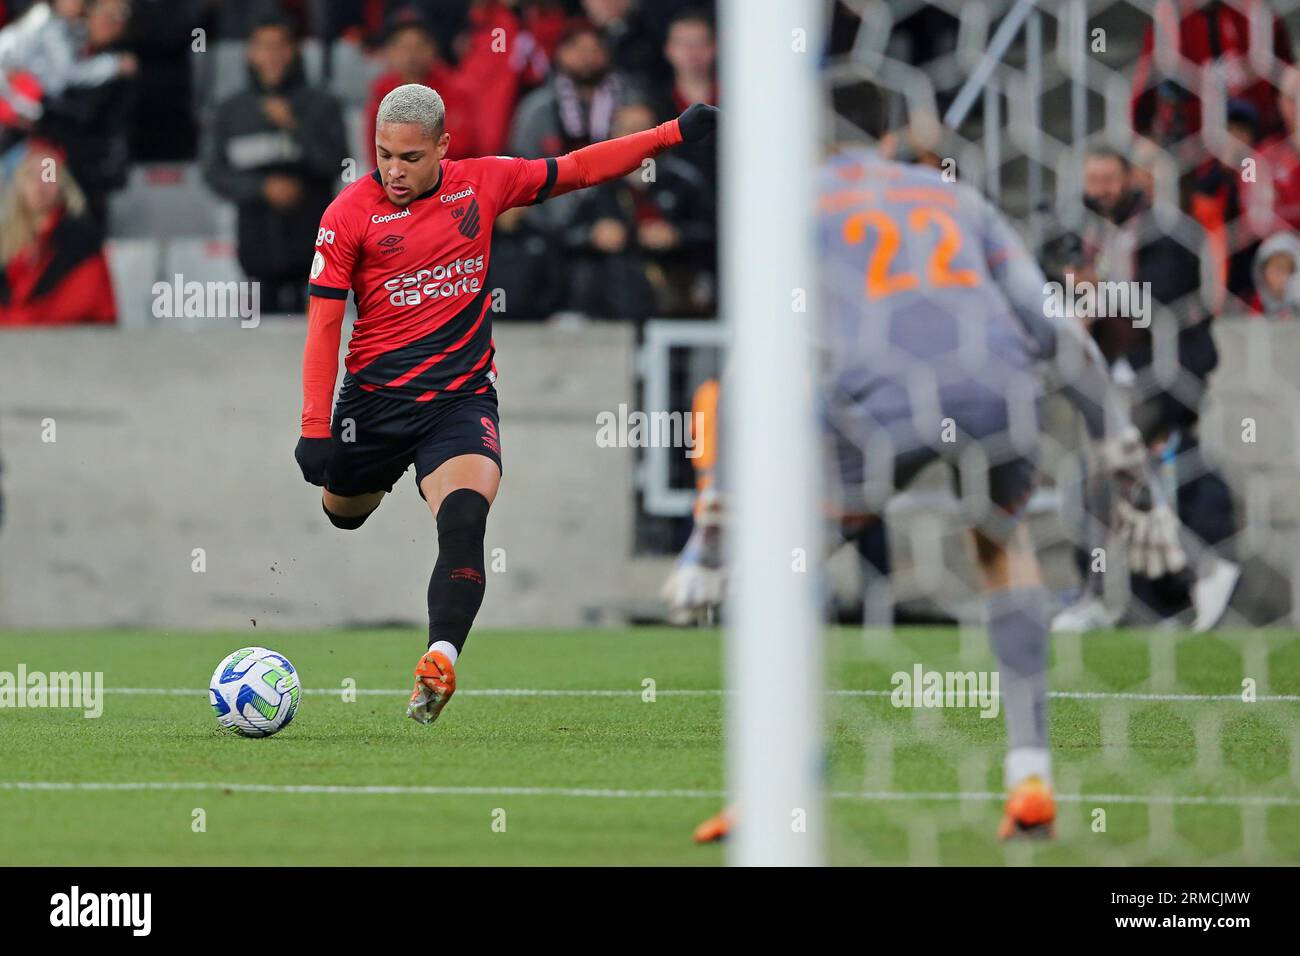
[{"x": 417, "y": 272}]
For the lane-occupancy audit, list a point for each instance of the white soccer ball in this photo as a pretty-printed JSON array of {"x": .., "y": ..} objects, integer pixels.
[{"x": 255, "y": 692}]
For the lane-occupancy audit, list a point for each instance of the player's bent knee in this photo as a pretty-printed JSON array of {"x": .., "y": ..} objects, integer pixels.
[
  {"x": 346, "y": 522},
  {"x": 463, "y": 513}
]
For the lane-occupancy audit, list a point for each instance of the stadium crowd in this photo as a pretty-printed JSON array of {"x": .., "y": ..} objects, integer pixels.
[
  {"x": 88, "y": 88},
  {"x": 91, "y": 87}
]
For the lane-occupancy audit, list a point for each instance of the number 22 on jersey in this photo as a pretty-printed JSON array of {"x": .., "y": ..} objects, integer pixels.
[{"x": 881, "y": 281}]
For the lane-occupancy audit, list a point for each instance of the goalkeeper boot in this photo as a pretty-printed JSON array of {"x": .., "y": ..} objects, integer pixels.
[
  {"x": 435, "y": 682},
  {"x": 715, "y": 828},
  {"x": 1030, "y": 811}
]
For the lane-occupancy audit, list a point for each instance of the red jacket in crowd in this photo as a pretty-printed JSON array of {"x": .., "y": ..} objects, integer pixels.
[
  {"x": 1206, "y": 31},
  {"x": 1275, "y": 189},
  {"x": 61, "y": 279}
]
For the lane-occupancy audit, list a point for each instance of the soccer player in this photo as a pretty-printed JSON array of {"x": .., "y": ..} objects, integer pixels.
[
  {"x": 934, "y": 327},
  {"x": 411, "y": 242}
]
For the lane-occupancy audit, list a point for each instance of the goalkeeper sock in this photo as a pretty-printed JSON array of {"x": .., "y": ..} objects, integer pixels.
[
  {"x": 458, "y": 581},
  {"x": 1018, "y": 622}
]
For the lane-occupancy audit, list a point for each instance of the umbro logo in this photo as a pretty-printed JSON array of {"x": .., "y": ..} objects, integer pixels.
[{"x": 390, "y": 243}]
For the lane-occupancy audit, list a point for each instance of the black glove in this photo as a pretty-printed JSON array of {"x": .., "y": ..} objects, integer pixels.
[
  {"x": 698, "y": 122},
  {"x": 313, "y": 456}
]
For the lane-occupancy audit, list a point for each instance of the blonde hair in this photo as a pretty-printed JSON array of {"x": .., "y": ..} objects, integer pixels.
[
  {"x": 18, "y": 225},
  {"x": 413, "y": 103}
]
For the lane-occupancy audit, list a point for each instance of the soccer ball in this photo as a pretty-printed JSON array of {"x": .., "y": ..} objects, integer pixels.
[{"x": 255, "y": 692}]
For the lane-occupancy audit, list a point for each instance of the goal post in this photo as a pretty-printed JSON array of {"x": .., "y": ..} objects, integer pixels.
[{"x": 770, "y": 143}]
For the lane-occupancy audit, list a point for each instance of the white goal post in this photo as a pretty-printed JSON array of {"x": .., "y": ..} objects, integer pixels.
[{"x": 770, "y": 146}]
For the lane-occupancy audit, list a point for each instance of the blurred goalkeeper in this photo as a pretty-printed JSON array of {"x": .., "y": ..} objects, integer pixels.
[{"x": 935, "y": 326}]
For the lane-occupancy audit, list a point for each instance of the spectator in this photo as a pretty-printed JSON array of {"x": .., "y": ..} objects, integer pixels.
[
  {"x": 1271, "y": 198},
  {"x": 93, "y": 123},
  {"x": 1131, "y": 244},
  {"x": 235, "y": 21},
  {"x": 643, "y": 245},
  {"x": 276, "y": 150},
  {"x": 40, "y": 57},
  {"x": 52, "y": 265},
  {"x": 169, "y": 37},
  {"x": 481, "y": 90},
  {"x": 1212, "y": 35},
  {"x": 629, "y": 41},
  {"x": 576, "y": 108},
  {"x": 526, "y": 266},
  {"x": 1218, "y": 200},
  {"x": 692, "y": 52},
  {"x": 1277, "y": 290},
  {"x": 542, "y": 24}
]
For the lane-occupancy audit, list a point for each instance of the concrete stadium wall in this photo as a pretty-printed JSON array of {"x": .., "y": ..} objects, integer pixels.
[
  {"x": 167, "y": 441},
  {"x": 1251, "y": 431}
]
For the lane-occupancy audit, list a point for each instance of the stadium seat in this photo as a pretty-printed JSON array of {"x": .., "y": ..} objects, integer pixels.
[
  {"x": 352, "y": 72},
  {"x": 163, "y": 201},
  {"x": 202, "y": 260},
  {"x": 134, "y": 267}
]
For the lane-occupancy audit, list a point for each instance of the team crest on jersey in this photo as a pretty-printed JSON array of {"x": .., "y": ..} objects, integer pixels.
[{"x": 469, "y": 221}]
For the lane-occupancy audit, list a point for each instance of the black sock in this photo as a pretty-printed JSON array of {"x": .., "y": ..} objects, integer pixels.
[{"x": 456, "y": 587}]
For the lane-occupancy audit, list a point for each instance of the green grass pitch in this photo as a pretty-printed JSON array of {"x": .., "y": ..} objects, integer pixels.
[{"x": 1177, "y": 776}]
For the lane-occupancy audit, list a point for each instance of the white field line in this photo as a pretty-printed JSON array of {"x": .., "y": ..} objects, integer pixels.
[
  {"x": 579, "y": 792},
  {"x": 546, "y": 692}
]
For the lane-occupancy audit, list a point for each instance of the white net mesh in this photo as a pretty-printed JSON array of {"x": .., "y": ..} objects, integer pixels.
[{"x": 1149, "y": 144}]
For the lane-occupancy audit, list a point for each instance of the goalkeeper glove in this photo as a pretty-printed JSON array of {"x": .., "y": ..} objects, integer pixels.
[{"x": 1140, "y": 517}]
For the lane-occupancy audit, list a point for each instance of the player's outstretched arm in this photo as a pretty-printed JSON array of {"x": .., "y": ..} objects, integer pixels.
[
  {"x": 1059, "y": 339},
  {"x": 320, "y": 369},
  {"x": 601, "y": 162},
  {"x": 1140, "y": 516}
]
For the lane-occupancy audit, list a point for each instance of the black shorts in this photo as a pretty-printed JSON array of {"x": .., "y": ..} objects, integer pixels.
[{"x": 377, "y": 437}]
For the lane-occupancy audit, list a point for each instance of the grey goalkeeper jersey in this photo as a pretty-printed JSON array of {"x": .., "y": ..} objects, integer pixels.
[{"x": 923, "y": 280}]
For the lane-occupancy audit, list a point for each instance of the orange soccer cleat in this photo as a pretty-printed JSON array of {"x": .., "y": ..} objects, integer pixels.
[
  {"x": 1030, "y": 811},
  {"x": 435, "y": 682},
  {"x": 714, "y": 828}
]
